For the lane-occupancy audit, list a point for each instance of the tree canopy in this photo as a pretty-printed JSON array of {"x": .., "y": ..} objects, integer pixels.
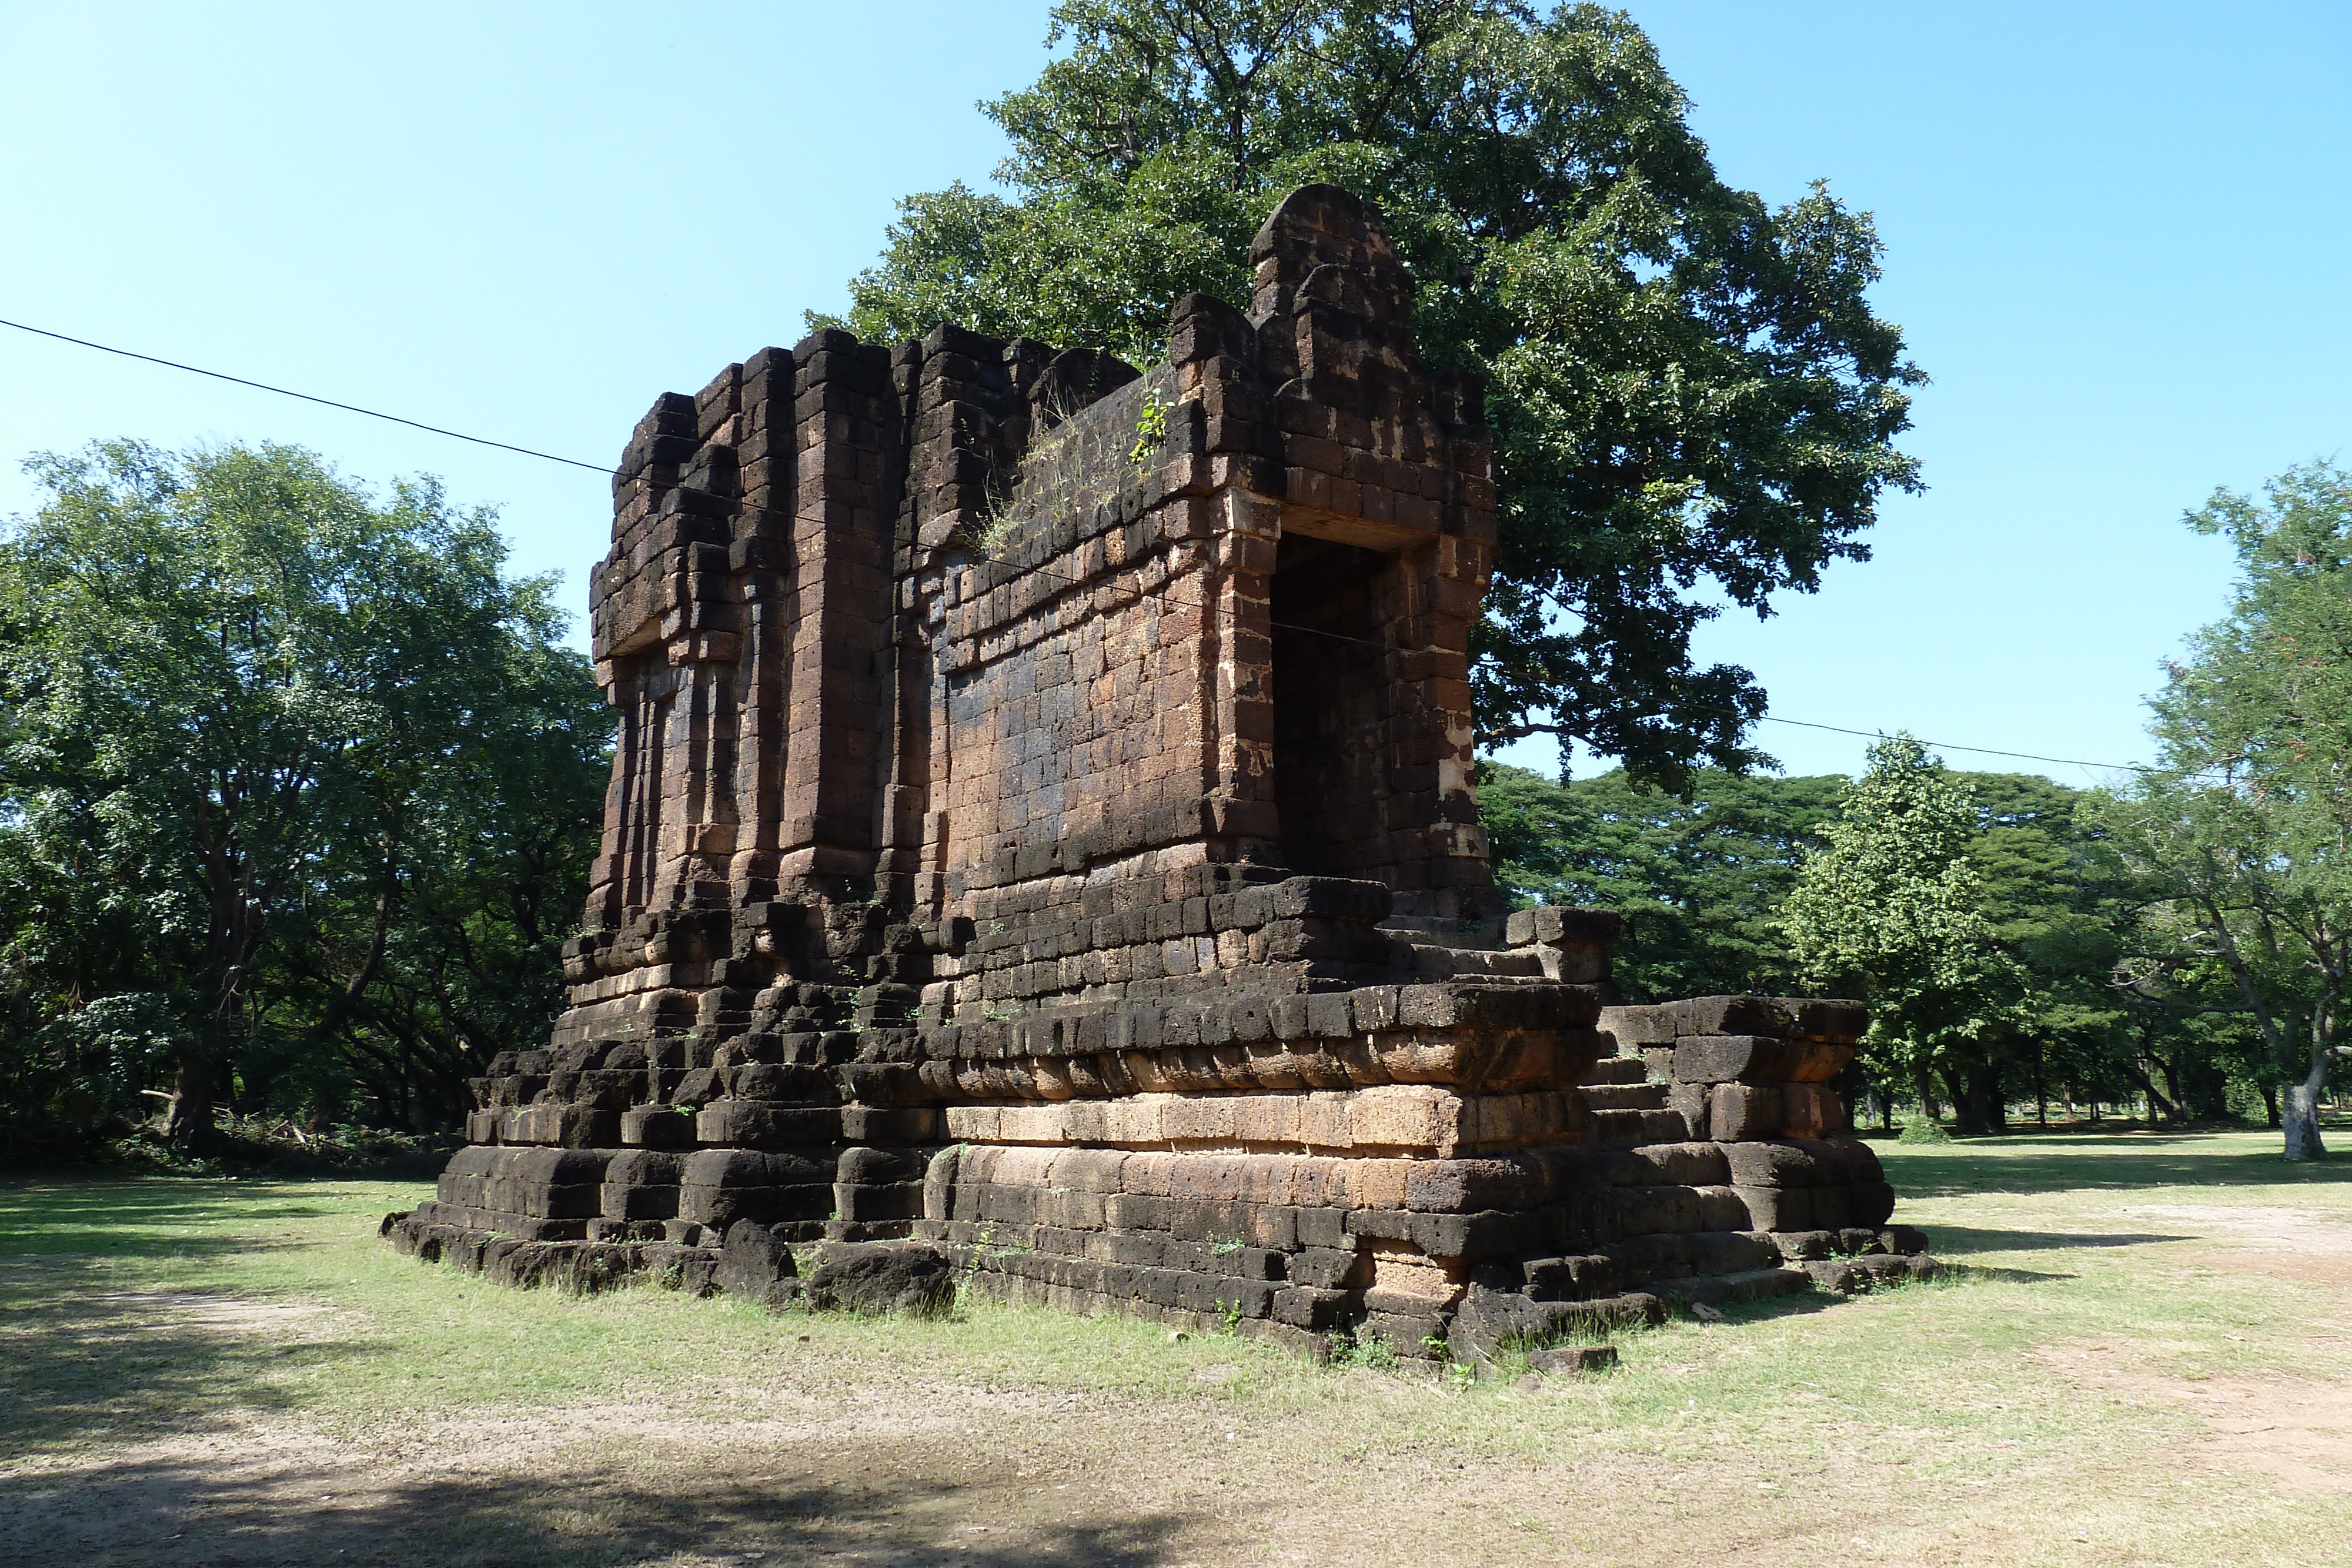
[
  {"x": 1891, "y": 910},
  {"x": 1692, "y": 398},
  {"x": 2096, "y": 1001},
  {"x": 1699, "y": 879},
  {"x": 296, "y": 789}
]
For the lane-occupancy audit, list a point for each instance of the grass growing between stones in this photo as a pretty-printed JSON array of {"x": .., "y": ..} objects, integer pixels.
[{"x": 2145, "y": 1365}]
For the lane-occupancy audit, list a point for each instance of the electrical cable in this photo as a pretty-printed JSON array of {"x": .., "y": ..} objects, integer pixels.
[
  {"x": 744, "y": 508},
  {"x": 306, "y": 397}
]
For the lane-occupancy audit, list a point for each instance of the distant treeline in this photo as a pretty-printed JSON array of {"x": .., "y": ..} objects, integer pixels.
[
  {"x": 299, "y": 793},
  {"x": 2063, "y": 1026}
]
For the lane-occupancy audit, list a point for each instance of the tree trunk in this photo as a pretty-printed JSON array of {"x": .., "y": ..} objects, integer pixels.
[
  {"x": 2156, "y": 1102},
  {"x": 188, "y": 1121},
  {"x": 2302, "y": 1123},
  {"x": 251, "y": 1097},
  {"x": 2270, "y": 1106},
  {"x": 1977, "y": 1106},
  {"x": 2303, "y": 1141}
]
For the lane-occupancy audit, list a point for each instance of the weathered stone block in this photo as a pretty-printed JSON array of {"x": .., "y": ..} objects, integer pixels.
[
  {"x": 657, "y": 1127},
  {"x": 1732, "y": 1016},
  {"x": 1757, "y": 1060},
  {"x": 1737, "y": 1111},
  {"x": 871, "y": 1278},
  {"x": 1758, "y": 1164},
  {"x": 1778, "y": 1207},
  {"x": 1812, "y": 1111}
]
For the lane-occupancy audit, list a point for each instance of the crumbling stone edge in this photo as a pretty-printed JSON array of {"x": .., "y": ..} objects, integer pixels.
[{"x": 919, "y": 1280}]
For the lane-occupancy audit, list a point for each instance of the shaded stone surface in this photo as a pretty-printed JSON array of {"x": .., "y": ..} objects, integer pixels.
[{"x": 870, "y": 1277}]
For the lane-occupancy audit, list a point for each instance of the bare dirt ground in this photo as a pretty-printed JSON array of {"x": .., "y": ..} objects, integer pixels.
[
  {"x": 2294, "y": 1431},
  {"x": 2136, "y": 1376},
  {"x": 2284, "y": 1243}
]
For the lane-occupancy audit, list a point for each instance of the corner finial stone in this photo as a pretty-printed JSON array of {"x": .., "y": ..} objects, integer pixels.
[
  {"x": 1316, "y": 213},
  {"x": 1324, "y": 226}
]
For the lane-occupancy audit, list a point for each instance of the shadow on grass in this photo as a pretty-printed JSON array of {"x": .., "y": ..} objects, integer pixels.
[
  {"x": 138, "y": 1381},
  {"x": 1964, "y": 1240},
  {"x": 2063, "y": 1163},
  {"x": 142, "y": 1219},
  {"x": 1796, "y": 1304},
  {"x": 164, "y": 1511},
  {"x": 1804, "y": 1303},
  {"x": 80, "y": 1352}
]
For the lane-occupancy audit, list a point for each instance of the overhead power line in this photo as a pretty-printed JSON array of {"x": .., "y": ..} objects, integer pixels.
[
  {"x": 1973, "y": 750},
  {"x": 741, "y": 507},
  {"x": 306, "y": 397}
]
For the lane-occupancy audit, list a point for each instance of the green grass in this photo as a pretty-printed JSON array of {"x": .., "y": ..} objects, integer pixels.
[
  {"x": 2064, "y": 1162},
  {"x": 2117, "y": 1298}
]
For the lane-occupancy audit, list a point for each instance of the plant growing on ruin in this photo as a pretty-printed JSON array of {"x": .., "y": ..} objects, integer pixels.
[
  {"x": 1693, "y": 401},
  {"x": 983, "y": 1241},
  {"x": 1349, "y": 1349},
  {"x": 1151, "y": 429},
  {"x": 997, "y": 523}
]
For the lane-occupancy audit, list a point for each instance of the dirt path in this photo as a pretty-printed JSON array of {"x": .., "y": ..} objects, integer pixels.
[
  {"x": 932, "y": 1482},
  {"x": 905, "y": 1473},
  {"x": 2293, "y": 1431}
]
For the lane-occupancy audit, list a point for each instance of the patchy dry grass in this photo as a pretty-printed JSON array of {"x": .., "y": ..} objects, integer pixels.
[{"x": 2147, "y": 1367}]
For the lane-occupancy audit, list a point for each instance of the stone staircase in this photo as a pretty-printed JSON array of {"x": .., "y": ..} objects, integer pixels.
[
  {"x": 1630, "y": 1108},
  {"x": 1457, "y": 950},
  {"x": 1443, "y": 963},
  {"x": 1435, "y": 932},
  {"x": 1623, "y": 1083}
]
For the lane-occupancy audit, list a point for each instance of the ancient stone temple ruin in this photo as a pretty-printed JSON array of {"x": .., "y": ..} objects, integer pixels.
[{"x": 1043, "y": 837}]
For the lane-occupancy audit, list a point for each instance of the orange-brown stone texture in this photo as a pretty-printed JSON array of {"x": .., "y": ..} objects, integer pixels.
[{"x": 1043, "y": 827}]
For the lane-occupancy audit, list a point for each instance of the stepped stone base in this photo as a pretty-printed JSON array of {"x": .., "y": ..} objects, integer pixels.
[{"x": 1449, "y": 1229}]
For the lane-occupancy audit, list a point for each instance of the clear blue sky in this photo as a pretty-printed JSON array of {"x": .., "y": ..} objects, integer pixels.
[{"x": 2116, "y": 236}]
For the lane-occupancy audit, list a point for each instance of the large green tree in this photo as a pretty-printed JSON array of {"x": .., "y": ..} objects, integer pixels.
[
  {"x": 2243, "y": 836},
  {"x": 277, "y": 757},
  {"x": 2047, "y": 889},
  {"x": 1891, "y": 909},
  {"x": 1693, "y": 401}
]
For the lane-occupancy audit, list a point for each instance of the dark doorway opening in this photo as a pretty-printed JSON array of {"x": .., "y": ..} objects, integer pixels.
[{"x": 1331, "y": 680}]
